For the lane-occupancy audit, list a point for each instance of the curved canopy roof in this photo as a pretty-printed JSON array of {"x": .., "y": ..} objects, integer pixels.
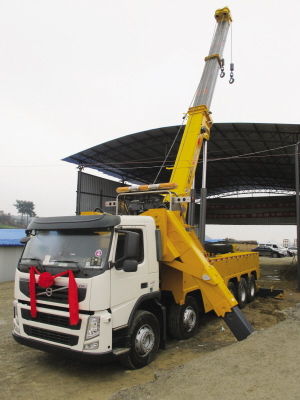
[{"x": 241, "y": 157}]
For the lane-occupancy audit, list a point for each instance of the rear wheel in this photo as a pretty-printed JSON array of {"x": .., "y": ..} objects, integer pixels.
[
  {"x": 251, "y": 288},
  {"x": 183, "y": 320},
  {"x": 144, "y": 340},
  {"x": 275, "y": 255},
  {"x": 241, "y": 293}
]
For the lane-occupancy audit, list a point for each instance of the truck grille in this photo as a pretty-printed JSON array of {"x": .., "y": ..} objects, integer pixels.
[
  {"x": 61, "y": 296},
  {"x": 51, "y": 336},
  {"x": 50, "y": 319}
]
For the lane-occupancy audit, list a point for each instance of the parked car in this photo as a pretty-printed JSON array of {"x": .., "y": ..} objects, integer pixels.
[
  {"x": 268, "y": 251},
  {"x": 276, "y": 246}
]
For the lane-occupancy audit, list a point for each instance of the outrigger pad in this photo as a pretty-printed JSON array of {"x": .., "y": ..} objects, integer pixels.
[
  {"x": 271, "y": 292},
  {"x": 238, "y": 324}
]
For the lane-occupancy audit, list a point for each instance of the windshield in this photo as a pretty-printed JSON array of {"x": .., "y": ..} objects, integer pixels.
[{"x": 84, "y": 249}]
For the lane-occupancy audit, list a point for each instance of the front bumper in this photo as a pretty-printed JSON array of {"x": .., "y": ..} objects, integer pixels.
[{"x": 68, "y": 353}]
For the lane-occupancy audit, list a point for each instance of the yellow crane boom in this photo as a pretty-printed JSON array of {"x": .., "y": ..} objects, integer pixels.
[{"x": 199, "y": 120}]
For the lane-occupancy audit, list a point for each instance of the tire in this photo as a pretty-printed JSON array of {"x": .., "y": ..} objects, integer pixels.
[
  {"x": 218, "y": 248},
  {"x": 241, "y": 291},
  {"x": 275, "y": 255},
  {"x": 232, "y": 289},
  {"x": 251, "y": 288},
  {"x": 184, "y": 320},
  {"x": 144, "y": 339}
]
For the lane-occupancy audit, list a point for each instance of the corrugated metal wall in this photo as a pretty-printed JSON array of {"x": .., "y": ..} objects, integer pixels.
[
  {"x": 93, "y": 192},
  {"x": 273, "y": 210}
]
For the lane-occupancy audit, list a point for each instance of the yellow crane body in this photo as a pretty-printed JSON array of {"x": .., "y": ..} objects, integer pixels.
[{"x": 185, "y": 266}]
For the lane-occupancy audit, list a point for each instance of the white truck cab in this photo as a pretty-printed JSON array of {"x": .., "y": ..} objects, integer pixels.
[{"x": 115, "y": 264}]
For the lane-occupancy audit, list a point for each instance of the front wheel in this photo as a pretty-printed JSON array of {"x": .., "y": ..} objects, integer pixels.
[
  {"x": 144, "y": 340},
  {"x": 183, "y": 320},
  {"x": 275, "y": 255}
]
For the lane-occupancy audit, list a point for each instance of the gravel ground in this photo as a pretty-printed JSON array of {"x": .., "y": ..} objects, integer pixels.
[
  {"x": 264, "y": 366},
  {"x": 271, "y": 358}
]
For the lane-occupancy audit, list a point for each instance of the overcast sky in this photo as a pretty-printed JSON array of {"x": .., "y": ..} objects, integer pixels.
[{"x": 77, "y": 73}]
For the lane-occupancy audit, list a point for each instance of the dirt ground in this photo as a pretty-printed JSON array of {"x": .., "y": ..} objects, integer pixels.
[{"x": 27, "y": 373}]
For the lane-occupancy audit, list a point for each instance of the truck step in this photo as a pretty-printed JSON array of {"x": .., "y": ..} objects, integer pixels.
[{"x": 119, "y": 350}]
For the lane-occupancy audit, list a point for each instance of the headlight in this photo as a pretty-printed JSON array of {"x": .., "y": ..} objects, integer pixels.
[{"x": 93, "y": 328}]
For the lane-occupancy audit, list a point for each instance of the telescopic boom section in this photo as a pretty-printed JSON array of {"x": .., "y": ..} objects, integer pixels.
[{"x": 199, "y": 121}]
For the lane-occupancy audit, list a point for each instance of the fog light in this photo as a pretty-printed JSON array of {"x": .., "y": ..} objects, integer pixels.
[
  {"x": 93, "y": 328},
  {"x": 91, "y": 346}
]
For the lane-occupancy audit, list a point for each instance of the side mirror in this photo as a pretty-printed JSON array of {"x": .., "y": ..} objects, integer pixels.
[
  {"x": 25, "y": 239},
  {"x": 130, "y": 265},
  {"x": 131, "y": 245}
]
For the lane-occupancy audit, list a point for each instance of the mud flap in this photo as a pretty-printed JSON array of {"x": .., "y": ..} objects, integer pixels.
[
  {"x": 238, "y": 324},
  {"x": 163, "y": 323}
]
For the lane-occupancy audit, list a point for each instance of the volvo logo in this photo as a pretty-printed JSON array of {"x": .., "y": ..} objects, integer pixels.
[{"x": 49, "y": 291}]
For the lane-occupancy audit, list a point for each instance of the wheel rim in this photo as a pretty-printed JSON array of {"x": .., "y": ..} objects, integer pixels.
[
  {"x": 189, "y": 319},
  {"x": 252, "y": 289},
  {"x": 243, "y": 293},
  {"x": 144, "y": 340}
]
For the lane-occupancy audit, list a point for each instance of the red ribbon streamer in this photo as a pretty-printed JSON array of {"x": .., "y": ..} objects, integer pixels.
[{"x": 73, "y": 293}]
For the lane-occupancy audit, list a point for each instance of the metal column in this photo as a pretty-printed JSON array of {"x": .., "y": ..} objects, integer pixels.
[
  {"x": 202, "y": 221},
  {"x": 191, "y": 210},
  {"x": 80, "y": 168},
  {"x": 297, "y": 207}
]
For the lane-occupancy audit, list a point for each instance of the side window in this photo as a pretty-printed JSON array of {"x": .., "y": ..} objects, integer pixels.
[{"x": 120, "y": 245}]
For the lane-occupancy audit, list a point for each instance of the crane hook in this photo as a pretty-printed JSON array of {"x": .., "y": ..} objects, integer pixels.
[
  {"x": 231, "y": 80},
  {"x": 222, "y": 74}
]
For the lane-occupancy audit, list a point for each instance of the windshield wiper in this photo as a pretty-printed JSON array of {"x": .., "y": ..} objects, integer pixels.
[
  {"x": 73, "y": 262},
  {"x": 36, "y": 259}
]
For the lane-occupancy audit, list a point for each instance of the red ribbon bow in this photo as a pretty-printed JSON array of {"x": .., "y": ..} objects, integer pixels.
[{"x": 45, "y": 281}]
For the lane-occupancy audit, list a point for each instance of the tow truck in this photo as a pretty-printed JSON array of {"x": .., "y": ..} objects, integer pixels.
[{"x": 100, "y": 286}]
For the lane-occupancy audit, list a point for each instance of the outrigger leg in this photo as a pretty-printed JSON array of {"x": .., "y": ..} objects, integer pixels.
[{"x": 238, "y": 324}]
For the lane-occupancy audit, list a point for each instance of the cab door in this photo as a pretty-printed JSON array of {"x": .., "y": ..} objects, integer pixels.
[{"x": 127, "y": 287}]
